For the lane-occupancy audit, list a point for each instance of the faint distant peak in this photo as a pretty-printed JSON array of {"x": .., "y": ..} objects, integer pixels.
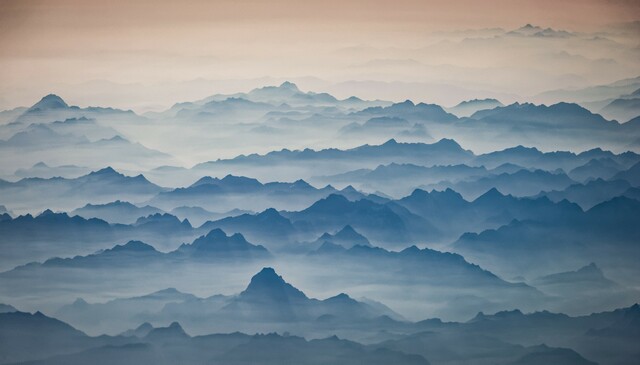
[
  {"x": 592, "y": 268},
  {"x": 529, "y": 26},
  {"x": 490, "y": 101}
]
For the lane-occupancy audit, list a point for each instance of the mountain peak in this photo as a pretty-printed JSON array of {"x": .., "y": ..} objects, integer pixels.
[
  {"x": 270, "y": 213},
  {"x": 216, "y": 241},
  {"x": 348, "y": 234},
  {"x": 105, "y": 171},
  {"x": 46, "y": 213},
  {"x": 289, "y": 85},
  {"x": 347, "y": 230},
  {"x": 301, "y": 184},
  {"x": 490, "y": 195},
  {"x": 174, "y": 331},
  {"x": 133, "y": 246},
  {"x": 268, "y": 285},
  {"x": 447, "y": 142},
  {"x": 332, "y": 203},
  {"x": 50, "y": 101}
]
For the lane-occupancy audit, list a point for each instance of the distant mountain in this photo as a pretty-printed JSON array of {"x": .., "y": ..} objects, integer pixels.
[
  {"x": 48, "y": 102},
  {"x": 632, "y": 175},
  {"x": 208, "y": 254},
  {"x": 503, "y": 338},
  {"x": 268, "y": 297},
  {"x": 379, "y": 222},
  {"x": 553, "y": 328},
  {"x": 590, "y": 275},
  {"x": 591, "y": 93},
  {"x": 27, "y": 238},
  {"x": 42, "y": 137},
  {"x": 545, "y": 355},
  {"x": 481, "y": 348},
  {"x": 520, "y": 183},
  {"x": 623, "y": 109},
  {"x": 198, "y": 215},
  {"x": 530, "y": 117},
  {"x": 627, "y": 327},
  {"x": 524, "y": 246},
  {"x": 442, "y": 152},
  {"x": 233, "y": 192},
  {"x": 117, "y": 313},
  {"x": 346, "y": 237},
  {"x": 401, "y": 179},
  {"x": 454, "y": 215},
  {"x": 217, "y": 245},
  {"x": 267, "y": 101},
  {"x": 6, "y": 308},
  {"x": 424, "y": 266},
  {"x": 603, "y": 168},
  {"x": 4, "y": 210},
  {"x": 538, "y": 32},
  {"x": 591, "y": 193},
  {"x": 268, "y": 227},
  {"x": 44, "y": 171},
  {"x": 409, "y": 111},
  {"x": 167, "y": 335},
  {"x": 101, "y": 186},
  {"x": 132, "y": 253},
  {"x": 52, "y": 107},
  {"x": 140, "y": 331},
  {"x": 165, "y": 345},
  {"x": 531, "y": 157},
  {"x": 290, "y": 94},
  {"x": 239, "y": 108},
  {"x": 116, "y": 212},
  {"x": 469, "y": 107},
  {"x": 385, "y": 127},
  {"x": 80, "y": 127},
  {"x": 27, "y": 336},
  {"x": 72, "y": 133},
  {"x": 70, "y": 234}
]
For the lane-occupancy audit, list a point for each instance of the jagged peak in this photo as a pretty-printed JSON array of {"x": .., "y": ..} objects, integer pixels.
[
  {"x": 173, "y": 330},
  {"x": 268, "y": 284}
]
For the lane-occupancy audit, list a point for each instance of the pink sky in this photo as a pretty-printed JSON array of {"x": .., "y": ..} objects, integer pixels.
[{"x": 50, "y": 42}]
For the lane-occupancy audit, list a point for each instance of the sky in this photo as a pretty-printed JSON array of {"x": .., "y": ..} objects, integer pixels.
[{"x": 149, "y": 54}]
